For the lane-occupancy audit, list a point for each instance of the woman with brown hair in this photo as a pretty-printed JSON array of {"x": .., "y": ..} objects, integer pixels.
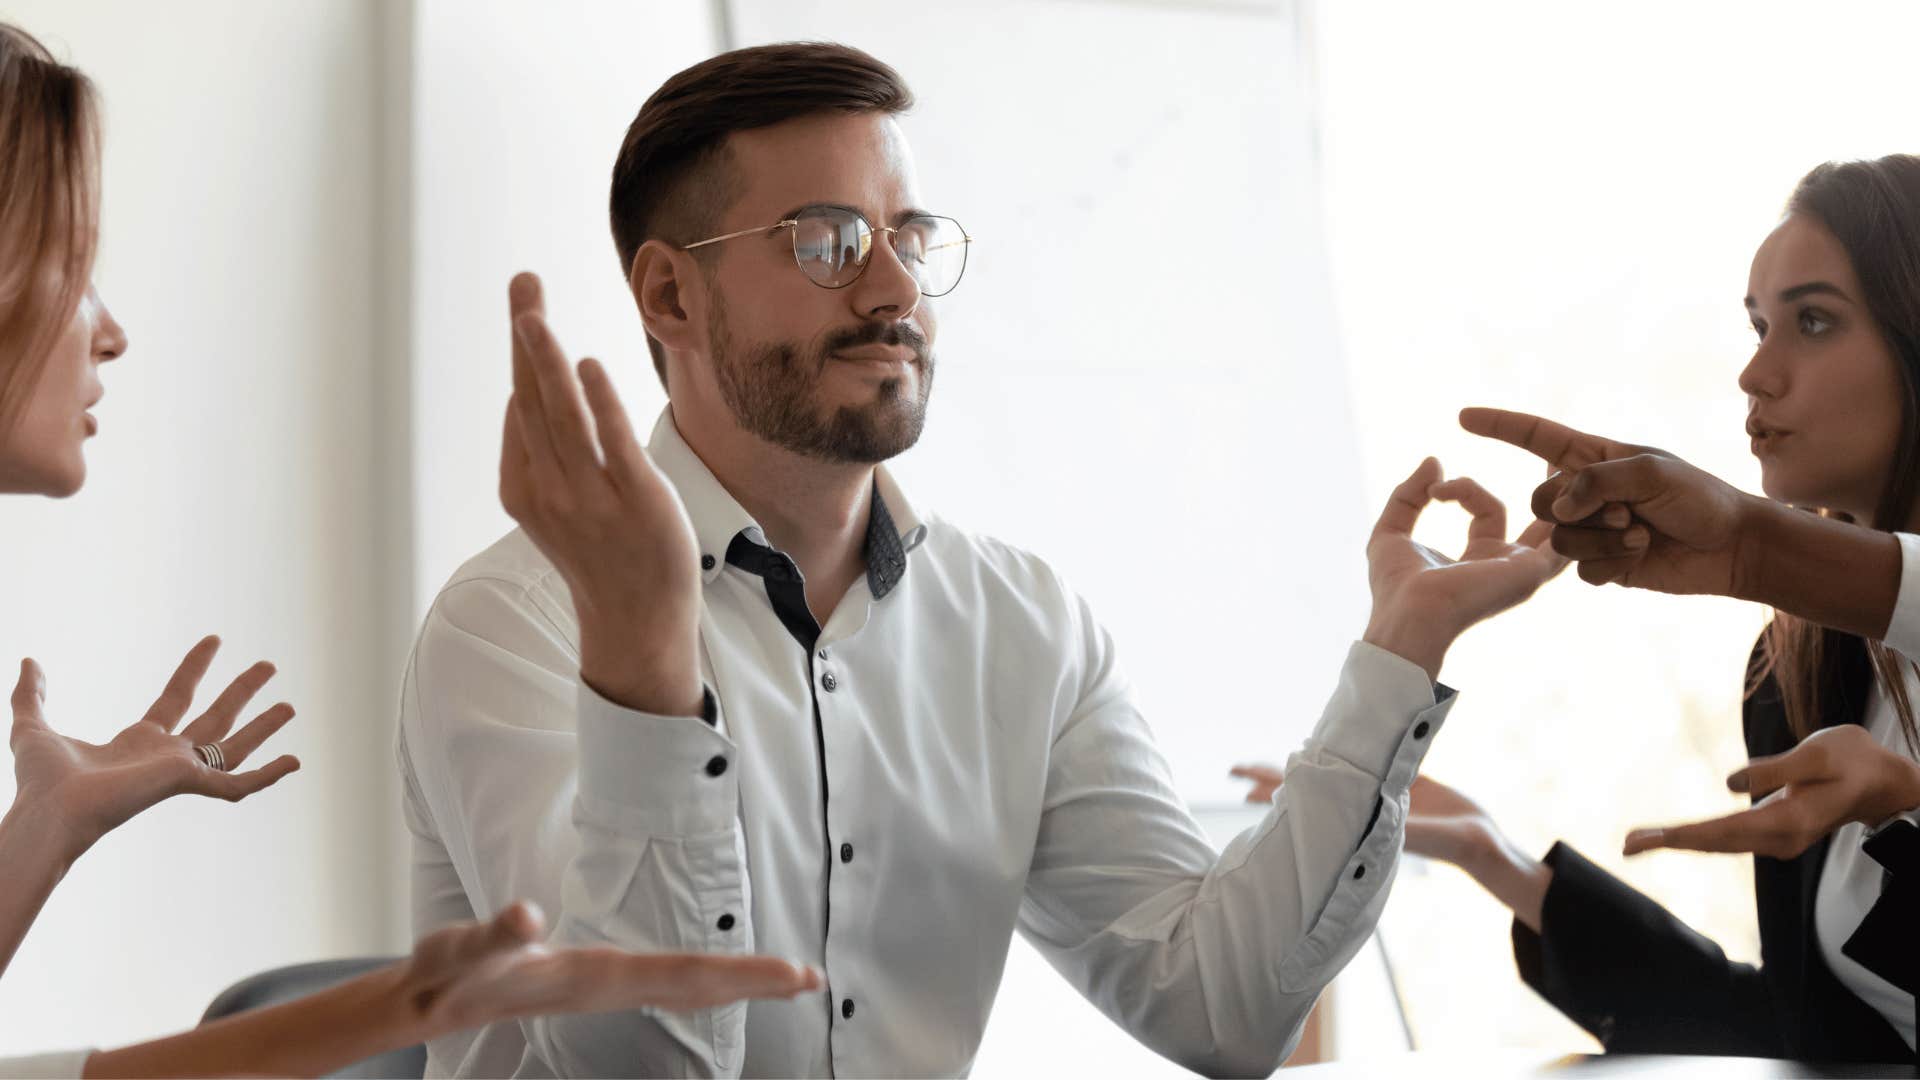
[
  {"x": 1834, "y": 417},
  {"x": 54, "y": 335}
]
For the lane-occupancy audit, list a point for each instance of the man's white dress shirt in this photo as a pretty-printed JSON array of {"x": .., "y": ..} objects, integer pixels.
[{"x": 956, "y": 757}]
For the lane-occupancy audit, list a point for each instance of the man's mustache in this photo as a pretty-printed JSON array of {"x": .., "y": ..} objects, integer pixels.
[{"x": 874, "y": 333}]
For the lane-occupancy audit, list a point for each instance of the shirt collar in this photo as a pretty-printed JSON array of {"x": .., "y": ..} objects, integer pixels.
[{"x": 893, "y": 530}]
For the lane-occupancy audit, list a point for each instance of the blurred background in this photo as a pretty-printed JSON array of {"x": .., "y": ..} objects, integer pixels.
[{"x": 1240, "y": 263}]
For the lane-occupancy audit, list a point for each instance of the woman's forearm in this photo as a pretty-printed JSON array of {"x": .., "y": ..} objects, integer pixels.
[
  {"x": 1829, "y": 572},
  {"x": 1514, "y": 878},
  {"x": 36, "y": 856},
  {"x": 311, "y": 1036}
]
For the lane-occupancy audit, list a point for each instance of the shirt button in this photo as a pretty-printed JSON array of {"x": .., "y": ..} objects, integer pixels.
[
  {"x": 1420, "y": 729},
  {"x": 846, "y": 1009},
  {"x": 1359, "y": 872},
  {"x": 846, "y": 852},
  {"x": 716, "y": 765},
  {"x": 828, "y": 682},
  {"x": 822, "y": 654},
  {"x": 726, "y": 922},
  {"x": 706, "y": 562}
]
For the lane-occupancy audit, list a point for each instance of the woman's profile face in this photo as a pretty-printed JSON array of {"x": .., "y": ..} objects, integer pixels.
[
  {"x": 42, "y": 453},
  {"x": 1823, "y": 387}
]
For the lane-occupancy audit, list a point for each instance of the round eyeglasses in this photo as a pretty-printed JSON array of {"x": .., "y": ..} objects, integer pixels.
[{"x": 833, "y": 244}]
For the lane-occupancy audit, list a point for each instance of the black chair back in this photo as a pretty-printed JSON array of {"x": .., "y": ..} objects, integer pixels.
[{"x": 299, "y": 980}]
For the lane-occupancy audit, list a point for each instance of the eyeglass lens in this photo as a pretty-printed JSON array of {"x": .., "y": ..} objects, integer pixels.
[{"x": 833, "y": 245}]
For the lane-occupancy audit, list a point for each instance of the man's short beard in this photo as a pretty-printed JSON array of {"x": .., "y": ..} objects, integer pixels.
[{"x": 770, "y": 391}]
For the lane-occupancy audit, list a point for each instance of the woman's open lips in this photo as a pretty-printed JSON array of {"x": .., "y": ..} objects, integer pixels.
[{"x": 1764, "y": 436}]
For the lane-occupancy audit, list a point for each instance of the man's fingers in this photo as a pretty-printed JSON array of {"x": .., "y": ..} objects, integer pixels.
[
  {"x": 1549, "y": 490},
  {"x": 1539, "y": 536},
  {"x": 1606, "y": 571},
  {"x": 565, "y": 413},
  {"x": 1626, "y": 480},
  {"x": 1587, "y": 545},
  {"x": 526, "y": 409},
  {"x": 248, "y": 739},
  {"x": 526, "y": 295},
  {"x": 1412, "y": 496},
  {"x": 213, "y": 725},
  {"x": 29, "y": 694},
  {"x": 625, "y": 460},
  {"x": 513, "y": 462},
  {"x": 1489, "y": 513},
  {"x": 177, "y": 697},
  {"x": 1557, "y": 444}
]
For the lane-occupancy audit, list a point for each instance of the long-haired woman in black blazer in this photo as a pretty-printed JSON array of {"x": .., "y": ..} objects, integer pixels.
[{"x": 1830, "y": 710}]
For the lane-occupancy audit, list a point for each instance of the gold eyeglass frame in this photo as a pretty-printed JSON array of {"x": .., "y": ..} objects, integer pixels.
[{"x": 965, "y": 241}]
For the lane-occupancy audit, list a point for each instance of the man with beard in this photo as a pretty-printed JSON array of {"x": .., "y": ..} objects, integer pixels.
[{"x": 735, "y": 692}]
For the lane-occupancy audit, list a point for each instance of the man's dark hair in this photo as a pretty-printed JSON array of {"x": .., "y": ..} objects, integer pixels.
[{"x": 672, "y": 181}]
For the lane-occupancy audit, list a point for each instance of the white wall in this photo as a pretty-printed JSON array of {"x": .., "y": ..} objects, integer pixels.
[
  {"x": 232, "y": 490},
  {"x": 518, "y": 112}
]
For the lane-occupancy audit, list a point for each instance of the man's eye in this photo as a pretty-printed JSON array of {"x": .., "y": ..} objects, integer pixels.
[{"x": 1760, "y": 330}]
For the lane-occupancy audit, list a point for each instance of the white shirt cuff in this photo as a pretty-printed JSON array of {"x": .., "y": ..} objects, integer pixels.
[
  {"x": 1381, "y": 700},
  {"x": 1903, "y": 630},
  {"x": 63, "y": 1063},
  {"x": 663, "y": 775}
]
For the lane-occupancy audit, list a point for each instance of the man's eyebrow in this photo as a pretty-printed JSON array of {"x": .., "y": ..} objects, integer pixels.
[
  {"x": 899, "y": 218},
  {"x": 795, "y": 212},
  {"x": 1810, "y": 288}
]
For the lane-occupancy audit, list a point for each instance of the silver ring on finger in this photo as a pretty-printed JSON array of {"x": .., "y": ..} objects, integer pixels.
[{"x": 211, "y": 756}]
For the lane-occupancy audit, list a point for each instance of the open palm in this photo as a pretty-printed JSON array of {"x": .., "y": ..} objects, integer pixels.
[
  {"x": 479, "y": 973},
  {"x": 92, "y": 788}
]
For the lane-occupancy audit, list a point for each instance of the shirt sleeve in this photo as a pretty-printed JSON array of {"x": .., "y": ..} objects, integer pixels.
[
  {"x": 1215, "y": 960},
  {"x": 1903, "y": 630},
  {"x": 46, "y": 1066},
  {"x": 621, "y": 825},
  {"x": 1635, "y": 977}
]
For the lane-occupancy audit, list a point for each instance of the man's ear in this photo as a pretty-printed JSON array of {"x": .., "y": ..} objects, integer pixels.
[{"x": 671, "y": 294}]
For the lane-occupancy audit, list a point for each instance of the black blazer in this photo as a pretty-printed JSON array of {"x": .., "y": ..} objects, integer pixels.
[{"x": 1641, "y": 981}]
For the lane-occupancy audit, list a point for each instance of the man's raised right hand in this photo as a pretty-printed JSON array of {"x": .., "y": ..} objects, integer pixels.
[{"x": 575, "y": 478}]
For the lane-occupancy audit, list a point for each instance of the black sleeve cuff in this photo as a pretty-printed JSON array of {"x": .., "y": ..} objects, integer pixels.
[{"x": 1636, "y": 978}]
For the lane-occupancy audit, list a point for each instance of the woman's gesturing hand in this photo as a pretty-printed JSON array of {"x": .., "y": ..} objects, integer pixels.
[
  {"x": 87, "y": 790},
  {"x": 1835, "y": 776},
  {"x": 479, "y": 973}
]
